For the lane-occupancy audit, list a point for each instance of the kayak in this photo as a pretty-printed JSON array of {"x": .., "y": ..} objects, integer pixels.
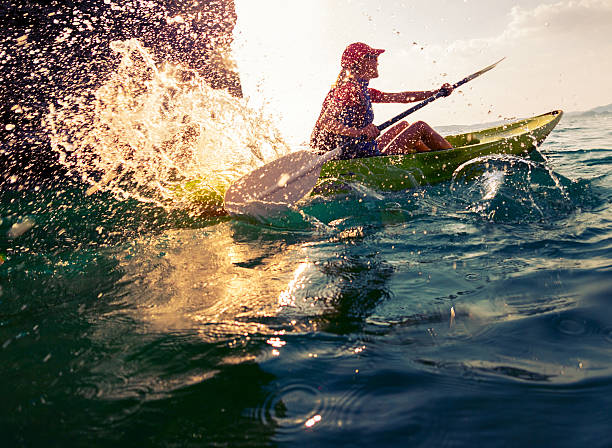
[{"x": 400, "y": 172}]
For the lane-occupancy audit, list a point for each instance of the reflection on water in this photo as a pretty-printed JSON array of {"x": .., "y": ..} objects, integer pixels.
[
  {"x": 205, "y": 280},
  {"x": 209, "y": 281}
]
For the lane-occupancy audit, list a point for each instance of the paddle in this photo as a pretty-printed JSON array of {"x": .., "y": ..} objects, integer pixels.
[{"x": 288, "y": 179}]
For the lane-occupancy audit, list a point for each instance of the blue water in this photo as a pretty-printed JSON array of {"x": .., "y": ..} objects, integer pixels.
[{"x": 471, "y": 313}]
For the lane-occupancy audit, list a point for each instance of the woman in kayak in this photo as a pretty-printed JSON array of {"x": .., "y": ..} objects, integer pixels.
[{"x": 346, "y": 116}]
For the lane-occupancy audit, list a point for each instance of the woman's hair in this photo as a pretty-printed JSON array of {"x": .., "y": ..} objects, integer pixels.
[{"x": 342, "y": 77}]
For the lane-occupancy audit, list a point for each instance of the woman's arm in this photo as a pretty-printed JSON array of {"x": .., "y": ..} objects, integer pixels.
[
  {"x": 403, "y": 97},
  {"x": 406, "y": 97}
]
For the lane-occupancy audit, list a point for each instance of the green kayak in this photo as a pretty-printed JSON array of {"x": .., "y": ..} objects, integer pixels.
[{"x": 399, "y": 172}]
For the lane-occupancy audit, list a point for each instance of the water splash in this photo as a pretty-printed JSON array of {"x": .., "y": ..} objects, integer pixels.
[
  {"x": 150, "y": 128},
  {"x": 508, "y": 188}
]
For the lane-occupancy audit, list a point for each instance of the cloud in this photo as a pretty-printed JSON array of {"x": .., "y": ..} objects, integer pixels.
[
  {"x": 564, "y": 22},
  {"x": 558, "y": 56},
  {"x": 579, "y": 18}
]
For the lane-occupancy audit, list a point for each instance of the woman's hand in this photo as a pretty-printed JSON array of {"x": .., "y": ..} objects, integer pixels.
[
  {"x": 370, "y": 132},
  {"x": 446, "y": 89}
]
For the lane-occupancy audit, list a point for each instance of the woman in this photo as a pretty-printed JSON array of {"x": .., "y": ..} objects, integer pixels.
[{"x": 346, "y": 116}]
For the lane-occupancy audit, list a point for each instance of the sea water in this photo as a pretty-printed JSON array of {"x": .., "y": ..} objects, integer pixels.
[{"x": 472, "y": 312}]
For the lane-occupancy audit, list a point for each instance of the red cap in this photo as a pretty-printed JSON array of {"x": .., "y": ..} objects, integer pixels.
[{"x": 354, "y": 52}]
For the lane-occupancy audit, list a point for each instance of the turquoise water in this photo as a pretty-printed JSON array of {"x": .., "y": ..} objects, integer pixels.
[{"x": 475, "y": 312}]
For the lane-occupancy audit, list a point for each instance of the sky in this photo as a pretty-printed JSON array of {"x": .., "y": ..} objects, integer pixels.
[{"x": 558, "y": 55}]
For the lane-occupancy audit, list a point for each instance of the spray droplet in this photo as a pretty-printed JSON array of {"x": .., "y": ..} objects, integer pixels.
[
  {"x": 283, "y": 180},
  {"x": 20, "y": 228}
]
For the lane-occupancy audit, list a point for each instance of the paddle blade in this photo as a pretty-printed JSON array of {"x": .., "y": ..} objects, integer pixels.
[
  {"x": 477, "y": 74},
  {"x": 275, "y": 185}
]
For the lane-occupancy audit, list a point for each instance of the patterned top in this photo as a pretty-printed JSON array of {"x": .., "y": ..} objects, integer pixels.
[{"x": 349, "y": 102}]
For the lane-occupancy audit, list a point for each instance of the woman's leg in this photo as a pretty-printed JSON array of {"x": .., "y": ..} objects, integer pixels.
[
  {"x": 407, "y": 139},
  {"x": 387, "y": 137}
]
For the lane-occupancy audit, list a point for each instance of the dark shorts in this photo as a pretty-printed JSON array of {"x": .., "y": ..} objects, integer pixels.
[
  {"x": 356, "y": 149},
  {"x": 353, "y": 147}
]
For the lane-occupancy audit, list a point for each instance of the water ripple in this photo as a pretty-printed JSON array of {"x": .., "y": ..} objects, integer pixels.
[
  {"x": 290, "y": 408},
  {"x": 571, "y": 327}
]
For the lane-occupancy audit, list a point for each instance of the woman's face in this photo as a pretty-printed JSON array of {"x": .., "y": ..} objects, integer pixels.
[{"x": 367, "y": 67}]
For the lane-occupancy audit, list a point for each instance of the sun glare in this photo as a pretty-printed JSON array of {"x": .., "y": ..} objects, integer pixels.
[{"x": 275, "y": 49}]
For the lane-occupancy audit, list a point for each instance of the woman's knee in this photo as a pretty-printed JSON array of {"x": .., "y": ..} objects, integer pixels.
[
  {"x": 401, "y": 126},
  {"x": 420, "y": 124},
  {"x": 422, "y": 128}
]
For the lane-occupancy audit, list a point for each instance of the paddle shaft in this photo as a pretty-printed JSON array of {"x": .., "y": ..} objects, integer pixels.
[{"x": 404, "y": 114}]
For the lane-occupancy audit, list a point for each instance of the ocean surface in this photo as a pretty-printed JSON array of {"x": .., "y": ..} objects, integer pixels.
[{"x": 470, "y": 313}]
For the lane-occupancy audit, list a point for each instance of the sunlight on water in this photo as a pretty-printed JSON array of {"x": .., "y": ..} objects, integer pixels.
[
  {"x": 151, "y": 127},
  {"x": 211, "y": 282}
]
